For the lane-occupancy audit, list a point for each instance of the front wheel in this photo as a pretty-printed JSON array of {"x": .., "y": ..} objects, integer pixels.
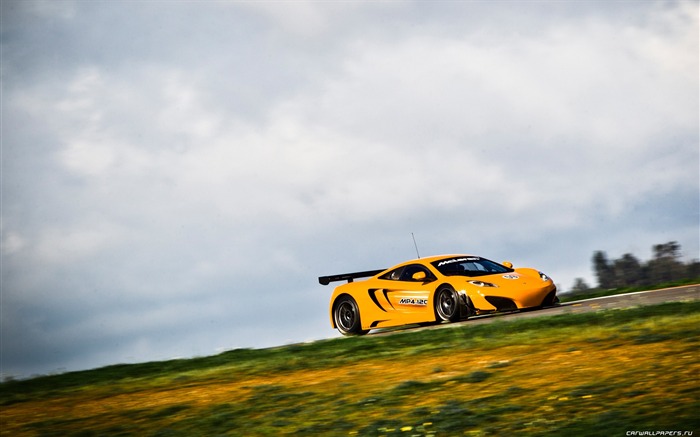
[
  {"x": 346, "y": 316},
  {"x": 446, "y": 305}
]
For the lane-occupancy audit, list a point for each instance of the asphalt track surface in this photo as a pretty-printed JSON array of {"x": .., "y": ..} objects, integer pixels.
[{"x": 684, "y": 293}]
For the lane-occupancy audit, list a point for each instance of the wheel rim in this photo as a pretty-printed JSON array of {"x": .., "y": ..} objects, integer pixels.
[
  {"x": 447, "y": 304},
  {"x": 346, "y": 316}
]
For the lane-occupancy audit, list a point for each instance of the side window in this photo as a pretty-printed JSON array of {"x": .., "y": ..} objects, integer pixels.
[
  {"x": 393, "y": 275},
  {"x": 406, "y": 273}
]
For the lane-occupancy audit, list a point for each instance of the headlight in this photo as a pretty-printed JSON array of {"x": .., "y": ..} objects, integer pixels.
[
  {"x": 482, "y": 284},
  {"x": 543, "y": 276}
]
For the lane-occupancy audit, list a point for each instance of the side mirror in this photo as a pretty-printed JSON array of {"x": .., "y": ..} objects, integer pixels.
[
  {"x": 419, "y": 276},
  {"x": 508, "y": 264}
]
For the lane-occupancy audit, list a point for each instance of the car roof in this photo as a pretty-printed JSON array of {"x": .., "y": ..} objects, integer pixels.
[{"x": 429, "y": 259}]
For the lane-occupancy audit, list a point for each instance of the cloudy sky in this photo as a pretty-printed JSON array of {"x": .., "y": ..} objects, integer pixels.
[{"x": 176, "y": 175}]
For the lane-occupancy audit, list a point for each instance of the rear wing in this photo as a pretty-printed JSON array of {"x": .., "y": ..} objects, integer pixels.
[{"x": 325, "y": 280}]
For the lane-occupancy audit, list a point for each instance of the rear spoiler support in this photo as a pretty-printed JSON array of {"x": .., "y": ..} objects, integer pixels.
[{"x": 325, "y": 280}]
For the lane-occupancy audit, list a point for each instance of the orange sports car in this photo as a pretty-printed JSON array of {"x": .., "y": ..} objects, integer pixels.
[{"x": 436, "y": 289}]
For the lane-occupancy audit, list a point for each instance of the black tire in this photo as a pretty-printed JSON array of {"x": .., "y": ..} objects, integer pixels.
[
  {"x": 446, "y": 305},
  {"x": 346, "y": 316}
]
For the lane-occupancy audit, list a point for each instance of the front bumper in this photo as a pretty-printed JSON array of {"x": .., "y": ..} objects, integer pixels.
[{"x": 487, "y": 300}]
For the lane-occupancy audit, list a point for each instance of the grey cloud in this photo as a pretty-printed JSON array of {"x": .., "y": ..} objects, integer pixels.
[{"x": 176, "y": 175}]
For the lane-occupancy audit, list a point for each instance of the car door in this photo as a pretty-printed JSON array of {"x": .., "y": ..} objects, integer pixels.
[{"x": 404, "y": 298}]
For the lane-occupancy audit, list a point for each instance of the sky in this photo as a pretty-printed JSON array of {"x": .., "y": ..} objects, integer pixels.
[{"x": 176, "y": 175}]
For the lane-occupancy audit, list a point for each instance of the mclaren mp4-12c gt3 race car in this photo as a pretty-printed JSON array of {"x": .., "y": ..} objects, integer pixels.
[{"x": 437, "y": 289}]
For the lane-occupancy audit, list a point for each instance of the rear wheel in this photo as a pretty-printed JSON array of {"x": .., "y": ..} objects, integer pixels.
[
  {"x": 446, "y": 304},
  {"x": 346, "y": 316}
]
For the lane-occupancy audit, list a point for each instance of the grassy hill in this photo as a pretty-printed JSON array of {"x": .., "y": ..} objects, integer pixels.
[{"x": 584, "y": 374}]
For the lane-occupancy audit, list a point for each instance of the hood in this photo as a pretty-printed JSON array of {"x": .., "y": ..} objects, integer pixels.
[{"x": 519, "y": 277}]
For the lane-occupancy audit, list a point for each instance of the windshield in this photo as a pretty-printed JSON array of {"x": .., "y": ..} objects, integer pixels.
[{"x": 469, "y": 266}]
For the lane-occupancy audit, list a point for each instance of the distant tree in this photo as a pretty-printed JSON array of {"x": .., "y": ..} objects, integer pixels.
[
  {"x": 670, "y": 250},
  {"x": 666, "y": 267},
  {"x": 627, "y": 271},
  {"x": 603, "y": 270},
  {"x": 692, "y": 270},
  {"x": 580, "y": 286}
]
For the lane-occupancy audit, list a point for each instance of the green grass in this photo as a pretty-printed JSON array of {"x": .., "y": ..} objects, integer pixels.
[{"x": 578, "y": 374}]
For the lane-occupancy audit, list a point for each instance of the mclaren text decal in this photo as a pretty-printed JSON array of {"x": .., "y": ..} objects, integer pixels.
[
  {"x": 413, "y": 301},
  {"x": 456, "y": 260}
]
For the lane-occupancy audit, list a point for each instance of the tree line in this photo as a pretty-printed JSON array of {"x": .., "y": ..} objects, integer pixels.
[{"x": 628, "y": 271}]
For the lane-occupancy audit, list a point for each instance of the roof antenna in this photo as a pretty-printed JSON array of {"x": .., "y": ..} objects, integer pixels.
[{"x": 414, "y": 243}]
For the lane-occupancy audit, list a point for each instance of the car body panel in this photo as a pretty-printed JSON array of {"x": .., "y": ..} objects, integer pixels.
[{"x": 393, "y": 297}]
